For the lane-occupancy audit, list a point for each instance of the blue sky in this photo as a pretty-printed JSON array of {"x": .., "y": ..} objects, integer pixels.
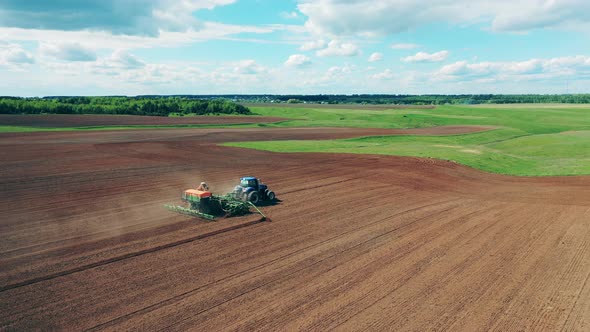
[{"x": 131, "y": 47}]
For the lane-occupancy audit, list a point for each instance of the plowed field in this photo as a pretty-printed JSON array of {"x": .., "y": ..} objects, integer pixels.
[
  {"x": 357, "y": 242},
  {"x": 60, "y": 120}
]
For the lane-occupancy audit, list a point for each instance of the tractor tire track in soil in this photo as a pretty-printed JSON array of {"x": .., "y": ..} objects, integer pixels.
[
  {"x": 356, "y": 242},
  {"x": 127, "y": 256},
  {"x": 241, "y": 273}
]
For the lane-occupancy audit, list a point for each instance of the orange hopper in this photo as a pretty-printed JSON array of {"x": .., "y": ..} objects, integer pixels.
[{"x": 197, "y": 193}]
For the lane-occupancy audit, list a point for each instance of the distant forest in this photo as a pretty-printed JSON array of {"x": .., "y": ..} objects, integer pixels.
[
  {"x": 230, "y": 104},
  {"x": 153, "y": 105},
  {"x": 412, "y": 99}
]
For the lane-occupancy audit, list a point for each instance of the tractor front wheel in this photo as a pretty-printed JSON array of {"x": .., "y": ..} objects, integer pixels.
[
  {"x": 254, "y": 197},
  {"x": 270, "y": 195}
]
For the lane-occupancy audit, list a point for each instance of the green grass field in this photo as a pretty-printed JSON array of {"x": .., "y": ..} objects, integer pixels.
[{"x": 531, "y": 140}]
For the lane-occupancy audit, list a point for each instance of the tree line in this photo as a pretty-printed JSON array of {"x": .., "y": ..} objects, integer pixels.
[
  {"x": 416, "y": 99},
  {"x": 155, "y": 106},
  {"x": 376, "y": 99},
  {"x": 229, "y": 104}
]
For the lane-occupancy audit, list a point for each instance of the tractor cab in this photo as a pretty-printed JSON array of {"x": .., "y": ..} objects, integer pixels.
[{"x": 249, "y": 182}]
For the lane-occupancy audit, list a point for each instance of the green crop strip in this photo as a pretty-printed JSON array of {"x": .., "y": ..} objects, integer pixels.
[{"x": 531, "y": 140}]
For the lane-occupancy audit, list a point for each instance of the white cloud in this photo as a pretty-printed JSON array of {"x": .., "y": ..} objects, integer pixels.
[
  {"x": 14, "y": 55},
  {"x": 577, "y": 66},
  {"x": 123, "y": 69},
  {"x": 387, "y": 74},
  {"x": 67, "y": 51},
  {"x": 289, "y": 15},
  {"x": 337, "y": 48},
  {"x": 339, "y": 70},
  {"x": 107, "y": 75},
  {"x": 106, "y": 40},
  {"x": 298, "y": 60},
  {"x": 129, "y": 17},
  {"x": 376, "y": 57},
  {"x": 522, "y": 15},
  {"x": 367, "y": 17},
  {"x": 427, "y": 57},
  {"x": 313, "y": 45},
  {"x": 331, "y": 76},
  {"x": 404, "y": 46},
  {"x": 248, "y": 67},
  {"x": 124, "y": 59},
  {"x": 119, "y": 63}
]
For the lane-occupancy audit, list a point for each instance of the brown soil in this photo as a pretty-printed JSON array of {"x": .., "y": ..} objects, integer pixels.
[
  {"x": 357, "y": 242},
  {"x": 216, "y": 135},
  {"x": 62, "y": 120}
]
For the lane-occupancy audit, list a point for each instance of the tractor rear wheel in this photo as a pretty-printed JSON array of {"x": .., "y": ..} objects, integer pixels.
[{"x": 254, "y": 197}]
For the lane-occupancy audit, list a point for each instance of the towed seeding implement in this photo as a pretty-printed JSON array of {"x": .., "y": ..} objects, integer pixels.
[{"x": 204, "y": 204}]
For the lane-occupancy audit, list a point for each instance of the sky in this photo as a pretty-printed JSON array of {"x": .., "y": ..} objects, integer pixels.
[{"x": 136, "y": 47}]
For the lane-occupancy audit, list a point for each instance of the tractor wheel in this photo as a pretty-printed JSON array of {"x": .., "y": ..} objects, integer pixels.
[
  {"x": 270, "y": 195},
  {"x": 254, "y": 197}
]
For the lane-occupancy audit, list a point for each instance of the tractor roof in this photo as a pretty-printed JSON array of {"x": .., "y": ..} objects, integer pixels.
[{"x": 248, "y": 178}]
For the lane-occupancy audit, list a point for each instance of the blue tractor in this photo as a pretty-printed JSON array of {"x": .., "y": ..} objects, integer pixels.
[{"x": 252, "y": 190}]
